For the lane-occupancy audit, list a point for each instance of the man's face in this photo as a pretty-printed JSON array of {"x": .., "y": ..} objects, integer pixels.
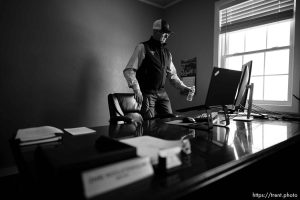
[{"x": 162, "y": 37}]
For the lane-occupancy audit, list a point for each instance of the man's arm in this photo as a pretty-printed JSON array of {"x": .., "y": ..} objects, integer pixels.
[{"x": 131, "y": 68}]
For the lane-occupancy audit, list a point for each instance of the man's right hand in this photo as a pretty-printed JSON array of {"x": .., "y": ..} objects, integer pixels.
[{"x": 138, "y": 96}]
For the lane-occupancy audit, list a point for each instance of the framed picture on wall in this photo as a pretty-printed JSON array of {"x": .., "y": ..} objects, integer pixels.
[{"x": 188, "y": 71}]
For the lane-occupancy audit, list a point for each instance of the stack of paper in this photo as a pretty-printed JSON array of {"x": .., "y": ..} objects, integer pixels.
[
  {"x": 38, "y": 135},
  {"x": 79, "y": 130},
  {"x": 149, "y": 146}
]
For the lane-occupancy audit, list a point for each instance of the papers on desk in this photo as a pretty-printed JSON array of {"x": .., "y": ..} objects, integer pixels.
[
  {"x": 178, "y": 122},
  {"x": 37, "y": 135},
  {"x": 79, "y": 130},
  {"x": 150, "y": 146}
]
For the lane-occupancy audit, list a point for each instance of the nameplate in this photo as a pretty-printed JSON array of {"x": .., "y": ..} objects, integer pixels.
[{"x": 104, "y": 179}]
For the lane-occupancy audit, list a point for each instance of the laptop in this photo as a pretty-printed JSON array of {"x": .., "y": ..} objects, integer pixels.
[
  {"x": 221, "y": 91},
  {"x": 223, "y": 86}
]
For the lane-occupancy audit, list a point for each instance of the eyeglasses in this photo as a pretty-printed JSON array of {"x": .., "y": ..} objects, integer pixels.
[{"x": 166, "y": 35}]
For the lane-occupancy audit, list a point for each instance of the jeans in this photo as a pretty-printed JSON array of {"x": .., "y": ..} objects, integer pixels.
[{"x": 156, "y": 103}]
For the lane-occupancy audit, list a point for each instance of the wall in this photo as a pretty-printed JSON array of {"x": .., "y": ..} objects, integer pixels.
[
  {"x": 193, "y": 24},
  {"x": 61, "y": 58}
]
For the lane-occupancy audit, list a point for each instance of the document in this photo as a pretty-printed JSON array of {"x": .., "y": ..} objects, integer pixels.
[
  {"x": 37, "y": 133},
  {"x": 179, "y": 122},
  {"x": 150, "y": 146},
  {"x": 52, "y": 139},
  {"x": 79, "y": 130}
]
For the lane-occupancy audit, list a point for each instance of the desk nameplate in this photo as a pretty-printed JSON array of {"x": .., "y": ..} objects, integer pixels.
[{"x": 100, "y": 180}]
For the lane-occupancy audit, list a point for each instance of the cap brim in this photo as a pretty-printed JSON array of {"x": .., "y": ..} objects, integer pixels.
[{"x": 167, "y": 31}]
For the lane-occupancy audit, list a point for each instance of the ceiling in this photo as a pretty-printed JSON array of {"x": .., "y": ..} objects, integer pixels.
[{"x": 161, "y": 3}]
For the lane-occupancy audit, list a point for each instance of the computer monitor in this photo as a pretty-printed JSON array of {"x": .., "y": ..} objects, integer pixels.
[{"x": 242, "y": 92}]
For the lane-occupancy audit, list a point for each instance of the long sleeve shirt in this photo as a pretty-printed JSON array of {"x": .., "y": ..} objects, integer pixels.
[{"x": 135, "y": 62}]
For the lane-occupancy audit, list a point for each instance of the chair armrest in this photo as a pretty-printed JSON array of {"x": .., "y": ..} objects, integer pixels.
[{"x": 121, "y": 118}]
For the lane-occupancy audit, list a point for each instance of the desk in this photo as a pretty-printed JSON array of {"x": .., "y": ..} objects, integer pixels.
[{"x": 221, "y": 158}]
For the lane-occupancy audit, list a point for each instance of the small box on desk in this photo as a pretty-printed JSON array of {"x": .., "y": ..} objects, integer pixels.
[{"x": 61, "y": 167}]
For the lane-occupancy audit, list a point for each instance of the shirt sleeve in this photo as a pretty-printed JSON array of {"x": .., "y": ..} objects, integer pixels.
[
  {"x": 133, "y": 65},
  {"x": 172, "y": 76}
]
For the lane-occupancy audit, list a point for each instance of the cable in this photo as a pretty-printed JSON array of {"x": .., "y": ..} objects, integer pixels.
[
  {"x": 262, "y": 112},
  {"x": 253, "y": 110},
  {"x": 279, "y": 115}
]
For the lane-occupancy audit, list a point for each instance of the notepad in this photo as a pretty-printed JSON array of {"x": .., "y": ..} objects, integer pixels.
[
  {"x": 52, "y": 139},
  {"x": 37, "y": 135},
  {"x": 79, "y": 130},
  {"x": 149, "y": 146}
]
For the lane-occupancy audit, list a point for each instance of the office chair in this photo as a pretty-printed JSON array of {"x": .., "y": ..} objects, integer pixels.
[{"x": 124, "y": 108}]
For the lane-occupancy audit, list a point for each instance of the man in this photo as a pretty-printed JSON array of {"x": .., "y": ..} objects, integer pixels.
[{"x": 146, "y": 72}]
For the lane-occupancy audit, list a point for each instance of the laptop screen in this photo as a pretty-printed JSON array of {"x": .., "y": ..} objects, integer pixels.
[{"x": 223, "y": 86}]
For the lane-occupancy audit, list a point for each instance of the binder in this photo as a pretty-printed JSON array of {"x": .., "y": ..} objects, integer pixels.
[
  {"x": 38, "y": 135},
  {"x": 62, "y": 166},
  {"x": 80, "y": 153}
]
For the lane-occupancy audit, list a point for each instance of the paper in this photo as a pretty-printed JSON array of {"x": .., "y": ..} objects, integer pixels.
[
  {"x": 171, "y": 157},
  {"x": 37, "y": 133},
  {"x": 79, "y": 130},
  {"x": 189, "y": 67},
  {"x": 52, "y": 139},
  {"x": 179, "y": 122},
  {"x": 150, "y": 146}
]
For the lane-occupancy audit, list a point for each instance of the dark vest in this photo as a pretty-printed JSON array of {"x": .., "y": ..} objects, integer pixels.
[{"x": 151, "y": 75}]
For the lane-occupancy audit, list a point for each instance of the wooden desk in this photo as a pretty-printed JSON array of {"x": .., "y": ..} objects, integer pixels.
[{"x": 221, "y": 158}]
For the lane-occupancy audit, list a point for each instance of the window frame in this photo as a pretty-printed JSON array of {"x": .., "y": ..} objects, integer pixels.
[{"x": 219, "y": 60}]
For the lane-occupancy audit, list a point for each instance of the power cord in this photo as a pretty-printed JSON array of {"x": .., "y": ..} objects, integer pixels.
[{"x": 278, "y": 115}]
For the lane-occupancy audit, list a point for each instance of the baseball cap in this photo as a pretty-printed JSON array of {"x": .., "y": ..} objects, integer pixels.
[{"x": 162, "y": 26}]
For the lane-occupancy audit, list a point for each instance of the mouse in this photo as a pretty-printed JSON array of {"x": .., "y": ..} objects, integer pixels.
[{"x": 188, "y": 120}]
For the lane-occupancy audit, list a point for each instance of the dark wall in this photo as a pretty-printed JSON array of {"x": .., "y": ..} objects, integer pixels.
[
  {"x": 193, "y": 24},
  {"x": 61, "y": 58}
]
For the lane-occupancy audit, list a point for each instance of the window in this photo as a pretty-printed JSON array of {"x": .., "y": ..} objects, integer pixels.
[{"x": 261, "y": 31}]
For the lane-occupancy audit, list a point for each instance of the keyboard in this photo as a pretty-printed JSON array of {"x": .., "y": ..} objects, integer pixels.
[{"x": 203, "y": 117}]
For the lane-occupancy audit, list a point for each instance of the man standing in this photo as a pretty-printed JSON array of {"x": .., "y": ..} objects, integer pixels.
[{"x": 146, "y": 72}]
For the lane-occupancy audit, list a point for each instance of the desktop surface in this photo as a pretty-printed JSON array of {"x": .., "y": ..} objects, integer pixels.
[{"x": 216, "y": 154}]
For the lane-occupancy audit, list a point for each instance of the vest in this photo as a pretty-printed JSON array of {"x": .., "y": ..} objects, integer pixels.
[{"x": 151, "y": 74}]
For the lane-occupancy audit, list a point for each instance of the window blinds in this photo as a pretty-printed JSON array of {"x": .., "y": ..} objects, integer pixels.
[{"x": 253, "y": 13}]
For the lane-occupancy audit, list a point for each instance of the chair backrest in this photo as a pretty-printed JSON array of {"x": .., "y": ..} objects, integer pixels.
[{"x": 121, "y": 104}]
